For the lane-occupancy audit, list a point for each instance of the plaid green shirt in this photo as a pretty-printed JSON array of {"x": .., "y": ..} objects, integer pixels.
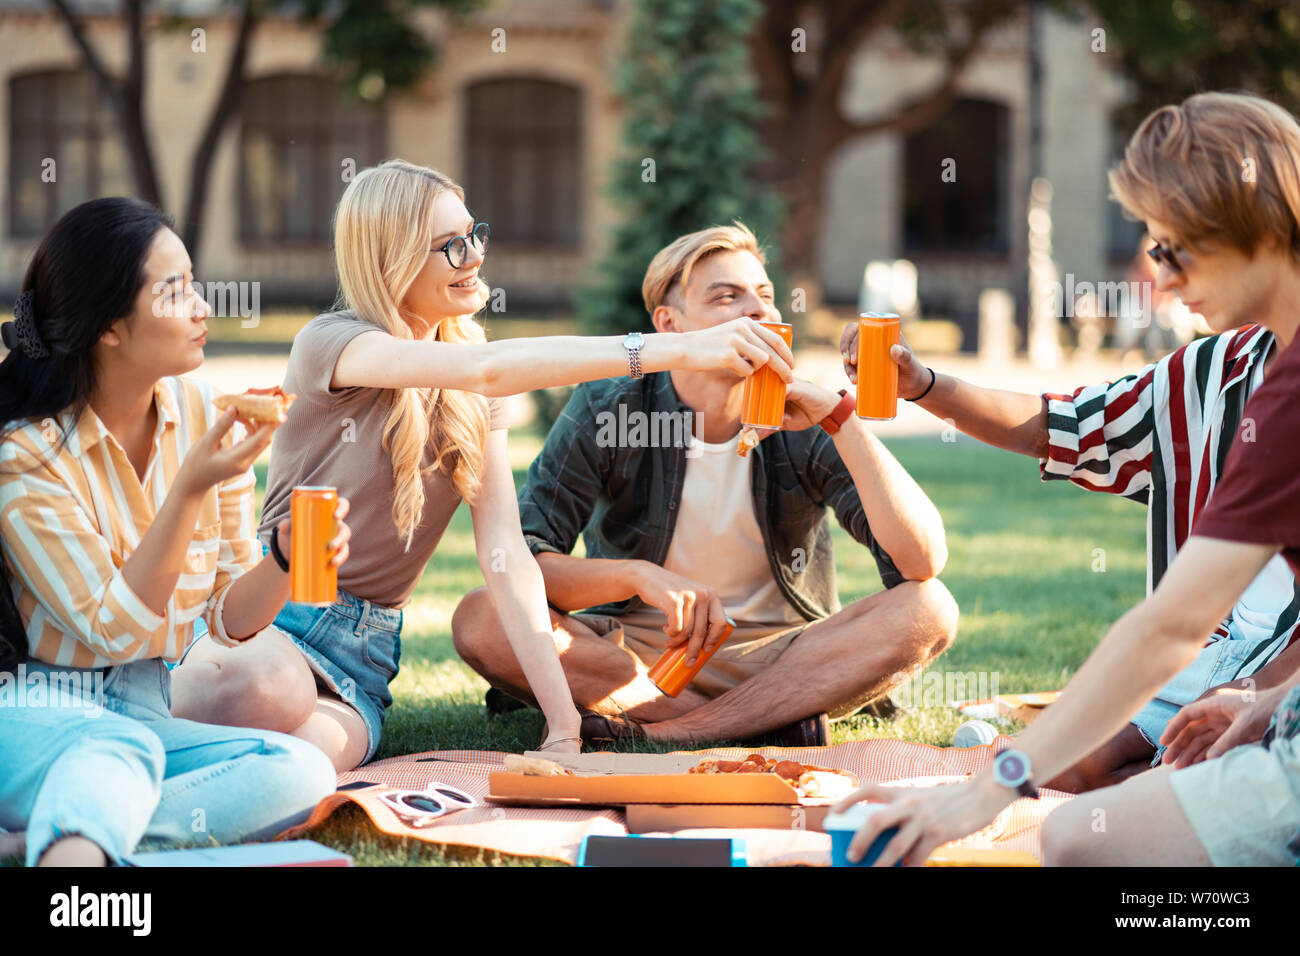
[{"x": 598, "y": 476}]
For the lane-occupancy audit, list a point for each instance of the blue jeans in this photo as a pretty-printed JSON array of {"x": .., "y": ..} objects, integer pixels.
[{"x": 130, "y": 770}]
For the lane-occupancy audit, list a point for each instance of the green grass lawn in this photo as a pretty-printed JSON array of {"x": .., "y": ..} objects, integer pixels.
[
  {"x": 1021, "y": 565},
  {"x": 1024, "y": 560}
]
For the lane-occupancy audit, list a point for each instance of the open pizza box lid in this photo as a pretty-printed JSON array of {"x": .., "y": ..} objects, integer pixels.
[
  {"x": 1022, "y": 707},
  {"x": 616, "y": 779}
]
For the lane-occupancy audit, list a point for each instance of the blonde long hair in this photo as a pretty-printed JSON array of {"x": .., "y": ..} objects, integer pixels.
[{"x": 382, "y": 233}]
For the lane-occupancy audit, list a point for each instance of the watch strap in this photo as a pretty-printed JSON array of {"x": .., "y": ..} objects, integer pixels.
[
  {"x": 840, "y": 414},
  {"x": 634, "y": 356}
]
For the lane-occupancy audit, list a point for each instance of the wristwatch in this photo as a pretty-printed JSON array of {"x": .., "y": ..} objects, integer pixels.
[
  {"x": 1011, "y": 770},
  {"x": 633, "y": 343},
  {"x": 840, "y": 414}
]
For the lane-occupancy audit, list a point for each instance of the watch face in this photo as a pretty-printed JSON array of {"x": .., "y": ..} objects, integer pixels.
[
  {"x": 1012, "y": 768},
  {"x": 634, "y": 340}
]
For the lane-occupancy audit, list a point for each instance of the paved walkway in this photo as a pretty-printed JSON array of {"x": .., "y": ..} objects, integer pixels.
[{"x": 234, "y": 373}]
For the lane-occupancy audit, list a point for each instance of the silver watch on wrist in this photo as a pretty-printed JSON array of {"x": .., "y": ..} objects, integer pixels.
[{"x": 633, "y": 343}]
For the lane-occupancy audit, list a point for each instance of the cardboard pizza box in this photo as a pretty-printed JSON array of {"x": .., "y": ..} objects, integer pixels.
[
  {"x": 659, "y": 817},
  {"x": 949, "y": 855},
  {"x": 616, "y": 779},
  {"x": 1024, "y": 707}
]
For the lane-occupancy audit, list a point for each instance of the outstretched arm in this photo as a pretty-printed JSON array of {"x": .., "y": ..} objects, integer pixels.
[{"x": 510, "y": 366}]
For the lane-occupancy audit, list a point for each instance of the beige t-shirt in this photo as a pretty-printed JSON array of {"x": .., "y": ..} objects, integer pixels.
[
  {"x": 334, "y": 437},
  {"x": 716, "y": 539}
]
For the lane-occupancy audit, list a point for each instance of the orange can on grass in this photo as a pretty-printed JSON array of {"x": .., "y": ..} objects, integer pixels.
[
  {"x": 877, "y": 372},
  {"x": 312, "y": 579},
  {"x": 764, "y": 398},
  {"x": 670, "y": 673}
]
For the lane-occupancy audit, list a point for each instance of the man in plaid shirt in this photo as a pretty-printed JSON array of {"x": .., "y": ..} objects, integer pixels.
[
  {"x": 1159, "y": 437},
  {"x": 684, "y": 537}
]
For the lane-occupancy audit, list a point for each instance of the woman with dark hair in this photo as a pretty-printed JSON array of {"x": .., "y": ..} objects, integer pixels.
[{"x": 126, "y": 512}]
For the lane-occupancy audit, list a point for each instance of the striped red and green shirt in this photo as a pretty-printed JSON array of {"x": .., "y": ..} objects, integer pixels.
[{"x": 1161, "y": 437}]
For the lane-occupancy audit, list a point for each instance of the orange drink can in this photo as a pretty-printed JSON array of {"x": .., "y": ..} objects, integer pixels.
[
  {"x": 670, "y": 673},
  {"x": 764, "y": 399},
  {"x": 877, "y": 372},
  {"x": 312, "y": 580}
]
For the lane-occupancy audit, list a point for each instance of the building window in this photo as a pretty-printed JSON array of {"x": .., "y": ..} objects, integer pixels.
[
  {"x": 59, "y": 116},
  {"x": 523, "y": 160},
  {"x": 296, "y": 134},
  {"x": 964, "y": 211}
]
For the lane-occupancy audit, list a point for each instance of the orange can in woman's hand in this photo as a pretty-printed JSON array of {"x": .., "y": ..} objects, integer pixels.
[
  {"x": 312, "y": 579},
  {"x": 877, "y": 372},
  {"x": 764, "y": 399}
]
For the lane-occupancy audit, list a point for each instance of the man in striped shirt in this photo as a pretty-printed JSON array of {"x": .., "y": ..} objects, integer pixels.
[{"x": 1159, "y": 437}]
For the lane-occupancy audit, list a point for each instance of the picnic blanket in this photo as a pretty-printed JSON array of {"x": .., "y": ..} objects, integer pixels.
[{"x": 556, "y": 834}]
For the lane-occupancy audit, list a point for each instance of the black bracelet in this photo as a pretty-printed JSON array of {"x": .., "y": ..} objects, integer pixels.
[
  {"x": 276, "y": 553},
  {"x": 927, "y": 388}
]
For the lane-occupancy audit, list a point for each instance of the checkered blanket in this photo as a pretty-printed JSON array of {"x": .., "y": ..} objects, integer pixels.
[{"x": 557, "y": 833}]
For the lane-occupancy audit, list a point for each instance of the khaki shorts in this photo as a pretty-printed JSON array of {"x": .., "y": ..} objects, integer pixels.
[
  {"x": 1245, "y": 805},
  {"x": 749, "y": 649}
]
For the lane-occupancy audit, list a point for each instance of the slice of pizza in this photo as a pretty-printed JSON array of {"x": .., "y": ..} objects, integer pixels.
[
  {"x": 535, "y": 766},
  {"x": 826, "y": 784},
  {"x": 258, "y": 404}
]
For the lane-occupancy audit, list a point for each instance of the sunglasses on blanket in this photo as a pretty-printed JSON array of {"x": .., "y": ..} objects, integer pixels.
[{"x": 424, "y": 806}]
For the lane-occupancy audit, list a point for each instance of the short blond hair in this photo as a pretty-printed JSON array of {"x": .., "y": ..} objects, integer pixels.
[
  {"x": 670, "y": 269},
  {"x": 1219, "y": 166}
]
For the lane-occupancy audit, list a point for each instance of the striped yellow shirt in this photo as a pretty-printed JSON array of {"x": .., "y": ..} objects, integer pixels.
[{"x": 69, "y": 520}]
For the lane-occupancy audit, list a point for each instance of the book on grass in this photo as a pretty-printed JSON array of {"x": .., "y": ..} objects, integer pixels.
[{"x": 288, "y": 853}]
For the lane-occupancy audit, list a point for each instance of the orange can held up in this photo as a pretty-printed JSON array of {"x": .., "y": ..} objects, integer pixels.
[
  {"x": 764, "y": 398},
  {"x": 312, "y": 580},
  {"x": 670, "y": 673},
  {"x": 877, "y": 372}
]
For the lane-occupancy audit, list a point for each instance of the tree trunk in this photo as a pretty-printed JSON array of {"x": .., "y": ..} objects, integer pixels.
[
  {"x": 806, "y": 125},
  {"x": 226, "y": 107},
  {"x": 126, "y": 99}
]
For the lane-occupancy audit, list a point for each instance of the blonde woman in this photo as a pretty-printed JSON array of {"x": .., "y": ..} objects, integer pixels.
[{"x": 393, "y": 410}]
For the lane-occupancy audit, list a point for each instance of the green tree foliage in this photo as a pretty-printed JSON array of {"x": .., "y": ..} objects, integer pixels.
[
  {"x": 1170, "y": 49},
  {"x": 690, "y": 145},
  {"x": 374, "y": 48}
]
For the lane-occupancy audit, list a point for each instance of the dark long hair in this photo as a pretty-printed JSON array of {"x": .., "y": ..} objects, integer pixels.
[{"x": 85, "y": 275}]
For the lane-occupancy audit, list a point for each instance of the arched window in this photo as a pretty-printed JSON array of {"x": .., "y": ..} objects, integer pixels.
[
  {"x": 297, "y": 136},
  {"x": 59, "y": 115},
  {"x": 955, "y": 182},
  {"x": 523, "y": 159}
]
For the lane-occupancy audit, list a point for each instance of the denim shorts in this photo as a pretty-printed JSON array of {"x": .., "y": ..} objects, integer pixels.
[
  {"x": 354, "y": 647},
  {"x": 1216, "y": 664}
]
